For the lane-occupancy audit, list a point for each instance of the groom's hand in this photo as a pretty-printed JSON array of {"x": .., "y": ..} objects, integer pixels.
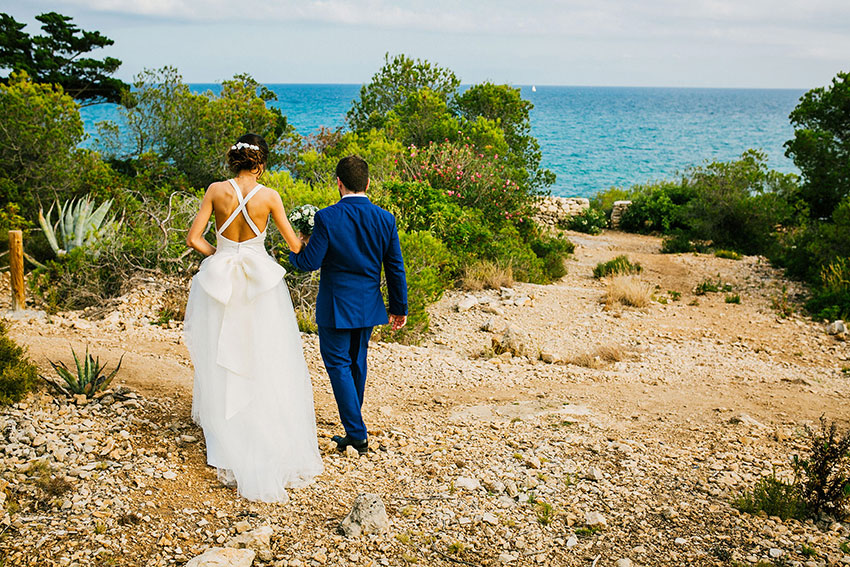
[{"x": 398, "y": 321}]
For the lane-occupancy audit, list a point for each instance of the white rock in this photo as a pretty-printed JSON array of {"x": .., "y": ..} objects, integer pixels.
[
  {"x": 368, "y": 516},
  {"x": 595, "y": 520},
  {"x": 223, "y": 557},
  {"x": 623, "y": 562},
  {"x": 572, "y": 541},
  {"x": 467, "y": 483},
  {"x": 467, "y": 303},
  {"x": 837, "y": 327},
  {"x": 595, "y": 474},
  {"x": 258, "y": 540},
  {"x": 775, "y": 552}
]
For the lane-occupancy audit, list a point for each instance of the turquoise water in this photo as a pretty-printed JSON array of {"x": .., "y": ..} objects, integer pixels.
[{"x": 594, "y": 138}]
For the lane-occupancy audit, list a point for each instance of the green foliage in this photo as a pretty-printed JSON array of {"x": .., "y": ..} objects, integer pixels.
[
  {"x": 545, "y": 513},
  {"x": 88, "y": 378},
  {"x": 604, "y": 200},
  {"x": 727, "y": 254},
  {"x": 677, "y": 243},
  {"x": 654, "y": 208},
  {"x": 711, "y": 286},
  {"x": 38, "y": 159},
  {"x": 589, "y": 221},
  {"x": 471, "y": 179},
  {"x": 428, "y": 265},
  {"x": 831, "y": 296},
  {"x": 393, "y": 84},
  {"x": 17, "y": 374},
  {"x": 821, "y": 145},
  {"x": 616, "y": 266},
  {"x": 504, "y": 106},
  {"x": 57, "y": 57},
  {"x": 825, "y": 473},
  {"x": 193, "y": 131},
  {"x": 733, "y": 298},
  {"x": 80, "y": 224},
  {"x": 738, "y": 204},
  {"x": 316, "y": 159},
  {"x": 775, "y": 497}
]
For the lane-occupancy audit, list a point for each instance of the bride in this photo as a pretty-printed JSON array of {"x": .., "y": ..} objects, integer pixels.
[{"x": 252, "y": 392}]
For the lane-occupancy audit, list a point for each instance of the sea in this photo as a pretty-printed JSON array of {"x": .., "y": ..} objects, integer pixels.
[{"x": 593, "y": 138}]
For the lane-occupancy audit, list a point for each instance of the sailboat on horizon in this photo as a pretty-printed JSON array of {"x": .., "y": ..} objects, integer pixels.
[{"x": 533, "y": 89}]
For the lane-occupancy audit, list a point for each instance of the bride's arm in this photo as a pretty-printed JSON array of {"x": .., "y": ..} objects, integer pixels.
[
  {"x": 195, "y": 239},
  {"x": 279, "y": 216}
]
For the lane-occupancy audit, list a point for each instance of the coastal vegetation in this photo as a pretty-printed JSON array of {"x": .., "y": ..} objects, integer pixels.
[
  {"x": 458, "y": 167},
  {"x": 801, "y": 223},
  {"x": 460, "y": 171}
]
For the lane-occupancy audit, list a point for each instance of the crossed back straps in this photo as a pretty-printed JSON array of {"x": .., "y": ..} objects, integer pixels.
[{"x": 241, "y": 208}]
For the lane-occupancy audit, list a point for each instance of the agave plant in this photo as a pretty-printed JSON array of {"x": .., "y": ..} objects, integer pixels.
[
  {"x": 89, "y": 379},
  {"x": 79, "y": 224}
]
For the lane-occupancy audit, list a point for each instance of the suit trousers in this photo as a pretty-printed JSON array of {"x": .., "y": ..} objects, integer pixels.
[{"x": 344, "y": 354}]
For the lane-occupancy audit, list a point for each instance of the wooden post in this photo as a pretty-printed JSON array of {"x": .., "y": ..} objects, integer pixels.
[{"x": 16, "y": 269}]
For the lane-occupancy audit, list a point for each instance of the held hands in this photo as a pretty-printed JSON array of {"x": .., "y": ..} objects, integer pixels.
[{"x": 398, "y": 321}]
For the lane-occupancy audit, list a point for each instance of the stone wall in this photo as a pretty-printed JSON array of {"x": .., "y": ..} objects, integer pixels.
[
  {"x": 617, "y": 212},
  {"x": 552, "y": 210}
]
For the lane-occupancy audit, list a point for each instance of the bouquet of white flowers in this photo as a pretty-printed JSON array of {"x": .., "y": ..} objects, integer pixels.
[{"x": 303, "y": 218}]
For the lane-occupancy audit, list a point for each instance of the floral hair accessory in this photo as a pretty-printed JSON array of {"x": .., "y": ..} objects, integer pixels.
[{"x": 240, "y": 145}]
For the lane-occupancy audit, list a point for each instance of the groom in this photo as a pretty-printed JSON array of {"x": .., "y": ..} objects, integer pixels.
[{"x": 351, "y": 240}]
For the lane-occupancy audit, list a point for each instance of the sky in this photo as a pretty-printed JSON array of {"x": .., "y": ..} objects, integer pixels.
[{"x": 678, "y": 43}]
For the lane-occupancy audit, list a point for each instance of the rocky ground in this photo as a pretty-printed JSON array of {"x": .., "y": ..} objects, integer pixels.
[{"x": 628, "y": 448}]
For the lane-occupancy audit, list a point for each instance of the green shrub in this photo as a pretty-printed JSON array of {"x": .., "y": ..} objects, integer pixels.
[
  {"x": 677, "y": 243},
  {"x": 773, "y": 496},
  {"x": 604, "y": 200},
  {"x": 711, "y": 286},
  {"x": 428, "y": 265},
  {"x": 589, "y": 221},
  {"x": 737, "y": 204},
  {"x": 618, "y": 265},
  {"x": 831, "y": 295},
  {"x": 733, "y": 298},
  {"x": 38, "y": 156},
  {"x": 553, "y": 251},
  {"x": 728, "y": 254},
  {"x": 825, "y": 473},
  {"x": 17, "y": 374},
  {"x": 654, "y": 208}
]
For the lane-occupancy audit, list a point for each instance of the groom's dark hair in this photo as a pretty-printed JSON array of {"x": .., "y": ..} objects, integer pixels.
[{"x": 353, "y": 171}]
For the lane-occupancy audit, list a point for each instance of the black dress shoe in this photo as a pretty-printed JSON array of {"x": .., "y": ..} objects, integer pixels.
[{"x": 343, "y": 442}]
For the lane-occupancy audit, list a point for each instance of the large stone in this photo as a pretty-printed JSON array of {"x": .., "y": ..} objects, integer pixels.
[
  {"x": 223, "y": 557},
  {"x": 368, "y": 516},
  {"x": 466, "y": 483},
  {"x": 513, "y": 341},
  {"x": 595, "y": 520},
  {"x": 467, "y": 303},
  {"x": 837, "y": 327},
  {"x": 258, "y": 540}
]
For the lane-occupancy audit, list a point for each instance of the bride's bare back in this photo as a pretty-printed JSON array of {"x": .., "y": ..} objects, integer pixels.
[{"x": 221, "y": 200}]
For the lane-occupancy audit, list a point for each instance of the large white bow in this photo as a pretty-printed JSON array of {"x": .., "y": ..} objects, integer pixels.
[{"x": 236, "y": 279}]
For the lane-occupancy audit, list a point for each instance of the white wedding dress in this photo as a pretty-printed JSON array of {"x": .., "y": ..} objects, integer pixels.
[{"x": 252, "y": 392}]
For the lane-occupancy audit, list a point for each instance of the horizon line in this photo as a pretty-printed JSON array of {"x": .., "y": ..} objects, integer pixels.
[{"x": 529, "y": 85}]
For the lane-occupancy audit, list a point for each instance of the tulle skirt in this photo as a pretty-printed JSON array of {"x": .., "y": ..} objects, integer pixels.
[{"x": 252, "y": 392}]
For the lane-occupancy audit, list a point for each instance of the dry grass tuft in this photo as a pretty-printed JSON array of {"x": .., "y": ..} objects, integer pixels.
[
  {"x": 599, "y": 358},
  {"x": 628, "y": 290},
  {"x": 486, "y": 275}
]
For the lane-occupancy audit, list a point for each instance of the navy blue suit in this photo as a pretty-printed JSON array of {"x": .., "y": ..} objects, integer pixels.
[{"x": 351, "y": 240}]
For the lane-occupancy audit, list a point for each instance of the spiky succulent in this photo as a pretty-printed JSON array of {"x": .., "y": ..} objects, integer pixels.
[
  {"x": 88, "y": 380},
  {"x": 80, "y": 223}
]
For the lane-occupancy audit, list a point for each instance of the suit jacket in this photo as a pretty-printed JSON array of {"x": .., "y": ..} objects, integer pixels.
[{"x": 351, "y": 240}]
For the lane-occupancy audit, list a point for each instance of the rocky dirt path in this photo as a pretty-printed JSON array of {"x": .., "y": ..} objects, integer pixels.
[{"x": 626, "y": 451}]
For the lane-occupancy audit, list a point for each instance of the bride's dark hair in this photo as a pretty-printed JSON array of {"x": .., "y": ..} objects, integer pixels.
[{"x": 250, "y": 152}]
